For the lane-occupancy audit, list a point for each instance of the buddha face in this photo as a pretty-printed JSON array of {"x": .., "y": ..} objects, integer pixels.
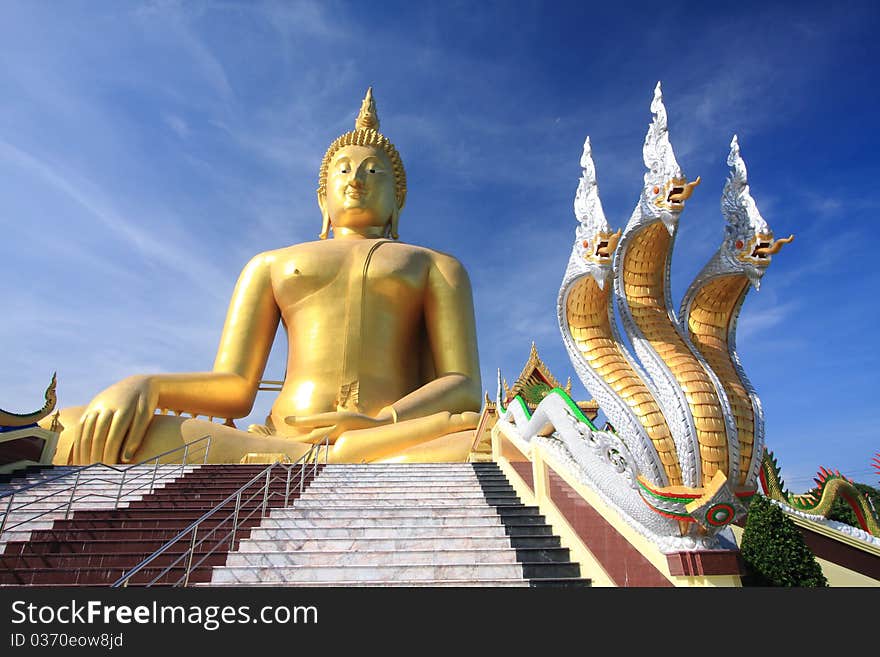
[{"x": 361, "y": 189}]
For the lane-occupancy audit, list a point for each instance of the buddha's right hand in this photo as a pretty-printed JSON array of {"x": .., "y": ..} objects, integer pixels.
[{"x": 114, "y": 423}]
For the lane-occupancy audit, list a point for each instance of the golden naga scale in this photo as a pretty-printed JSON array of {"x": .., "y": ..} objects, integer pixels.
[{"x": 382, "y": 356}]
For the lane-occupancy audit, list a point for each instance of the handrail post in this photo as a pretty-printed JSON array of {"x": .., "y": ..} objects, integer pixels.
[
  {"x": 287, "y": 487},
  {"x": 235, "y": 521},
  {"x": 121, "y": 483},
  {"x": 207, "y": 449},
  {"x": 185, "y": 455},
  {"x": 302, "y": 475},
  {"x": 192, "y": 549},
  {"x": 72, "y": 493},
  {"x": 153, "y": 480},
  {"x": 6, "y": 515},
  {"x": 266, "y": 492}
]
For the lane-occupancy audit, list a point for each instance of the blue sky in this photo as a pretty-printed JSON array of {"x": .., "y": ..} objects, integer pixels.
[{"x": 147, "y": 150}]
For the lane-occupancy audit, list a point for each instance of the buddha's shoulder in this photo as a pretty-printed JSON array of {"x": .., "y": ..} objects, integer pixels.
[
  {"x": 432, "y": 255},
  {"x": 275, "y": 256},
  {"x": 328, "y": 248}
]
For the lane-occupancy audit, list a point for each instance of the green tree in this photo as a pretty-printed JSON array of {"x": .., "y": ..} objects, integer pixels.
[{"x": 774, "y": 550}]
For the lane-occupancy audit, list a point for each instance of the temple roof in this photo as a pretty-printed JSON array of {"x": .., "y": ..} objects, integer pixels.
[{"x": 534, "y": 382}]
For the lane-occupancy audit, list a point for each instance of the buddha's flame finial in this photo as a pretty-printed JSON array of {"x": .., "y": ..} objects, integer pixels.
[{"x": 367, "y": 118}]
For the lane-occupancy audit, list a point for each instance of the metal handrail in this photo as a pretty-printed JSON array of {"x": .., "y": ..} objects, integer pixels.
[
  {"x": 237, "y": 520},
  {"x": 78, "y": 482}
]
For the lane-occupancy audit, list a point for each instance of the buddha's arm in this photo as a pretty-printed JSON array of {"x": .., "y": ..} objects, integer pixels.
[
  {"x": 113, "y": 425},
  {"x": 452, "y": 336},
  {"x": 251, "y": 323}
]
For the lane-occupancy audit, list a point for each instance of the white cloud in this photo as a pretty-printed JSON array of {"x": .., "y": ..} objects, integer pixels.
[
  {"x": 177, "y": 125},
  {"x": 165, "y": 251}
]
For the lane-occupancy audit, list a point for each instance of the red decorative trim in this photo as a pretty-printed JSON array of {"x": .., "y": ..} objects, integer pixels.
[
  {"x": 524, "y": 470},
  {"x": 855, "y": 507},
  {"x": 712, "y": 520},
  {"x": 618, "y": 557},
  {"x": 666, "y": 495},
  {"x": 673, "y": 516},
  {"x": 707, "y": 562}
]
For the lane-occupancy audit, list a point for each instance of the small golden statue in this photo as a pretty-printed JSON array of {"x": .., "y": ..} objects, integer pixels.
[{"x": 382, "y": 348}]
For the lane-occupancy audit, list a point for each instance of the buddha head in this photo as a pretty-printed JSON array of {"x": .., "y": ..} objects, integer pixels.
[{"x": 362, "y": 183}]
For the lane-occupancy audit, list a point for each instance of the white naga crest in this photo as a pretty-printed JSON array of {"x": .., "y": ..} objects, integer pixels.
[
  {"x": 682, "y": 460},
  {"x": 663, "y": 179},
  {"x": 657, "y": 151},
  {"x": 587, "y": 205},
  {"x": 594, "y": 241},
  {"x": 748, "y": 240}
]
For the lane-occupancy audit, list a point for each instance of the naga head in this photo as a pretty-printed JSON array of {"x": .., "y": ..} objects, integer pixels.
[
  {"x": 666, "y": 188},
  {"x": 594, "y": 241},
  {"x": 748, "y": 240}
]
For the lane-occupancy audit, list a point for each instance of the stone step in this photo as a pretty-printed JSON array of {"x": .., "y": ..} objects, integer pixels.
[
  {"x": 399, "y": 476},
  {"x": 335, "y": 574},
  {"x": 361, "y": 534},
  {"x": 405, "y": 512},
  {"x": 484, "y": 511},
  {"x": 379, "y": 482},
  {"x": 328, "y": 488},
  {"x": 117, "y": 515},
  {"x": 384, "y": 558},
  {"x": 402, "y": 495},
  {"x": 406, "y": 475},
  {"x": 457, "y": 583},
  {"x": 373, "y": 545},
  {"x": 95, "y": 576},
  {"x": 205, "y": 503},
  {"x": 405, "y": 466},
  {"x": 399, "y": 503},
  {"x": 85, "y": 501},
  {"x": 114, "y": 532},
  {"x": 391, "y": 517},
  {"x": 111, "y": 560},
  {"x": 154, "y": 522},
  {"x": 110, "y": 475},
  {"x": 402, "y": 573},
  {"x": 136, "y": 545},
  {"x": 442, "y": 552},
  {"x": 298, "y": 531}
]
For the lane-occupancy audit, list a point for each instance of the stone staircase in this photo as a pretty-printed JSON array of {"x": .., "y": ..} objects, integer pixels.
[
  {"x": 403, "y": 525},
  {"x": 37, "y": 508},
  {"x": 102, "y": 540}
]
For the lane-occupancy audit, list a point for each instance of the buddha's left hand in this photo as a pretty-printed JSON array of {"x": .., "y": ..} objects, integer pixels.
[{"x": 332, "y": 424}]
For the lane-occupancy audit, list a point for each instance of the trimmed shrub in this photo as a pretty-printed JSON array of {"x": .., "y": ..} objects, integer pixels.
[{"x": 774, "y": 550}]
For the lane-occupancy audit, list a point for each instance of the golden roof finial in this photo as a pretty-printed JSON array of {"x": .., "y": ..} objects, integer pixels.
[{"x": 367, "y": 118}]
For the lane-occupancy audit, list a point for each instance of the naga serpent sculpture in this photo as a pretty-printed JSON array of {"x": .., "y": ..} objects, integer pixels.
[
  {"x": 688, "y": 422},
  {"x": 711, "y": 306},
  {"x": 829, "y": 486},
  {"x": 688, "y": 449}
]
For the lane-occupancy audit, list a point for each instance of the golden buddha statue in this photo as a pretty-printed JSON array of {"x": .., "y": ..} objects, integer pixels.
[{"x": 382, "y": 350}]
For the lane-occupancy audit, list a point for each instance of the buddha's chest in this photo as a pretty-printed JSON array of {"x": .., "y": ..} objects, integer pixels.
[{"x": 326, "y": 279}]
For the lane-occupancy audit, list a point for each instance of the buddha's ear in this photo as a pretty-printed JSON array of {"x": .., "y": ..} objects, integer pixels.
[
  {"x": 395, "y": 218},
  {"x": 325, "y": 216}
]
